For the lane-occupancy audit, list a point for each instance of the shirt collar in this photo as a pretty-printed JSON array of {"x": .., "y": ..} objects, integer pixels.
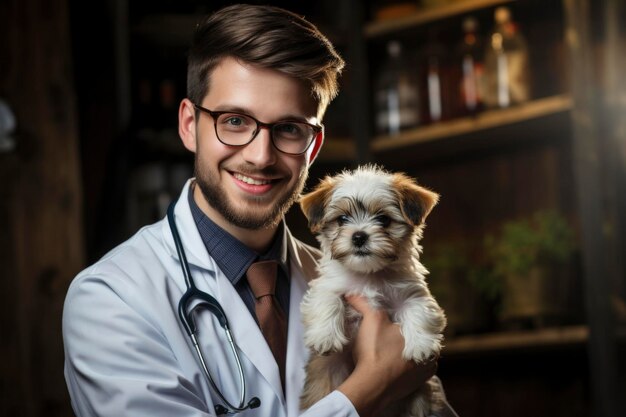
[{"x": 232, "y": 256}]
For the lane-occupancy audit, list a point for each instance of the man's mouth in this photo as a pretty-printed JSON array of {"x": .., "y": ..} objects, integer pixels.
[{"x": 251, "y": 181}]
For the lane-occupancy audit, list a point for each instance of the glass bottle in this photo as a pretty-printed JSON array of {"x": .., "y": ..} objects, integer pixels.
[
  {"x": 433, "y": 86},
  {"x": 470, "y": 67},
  {"x": 396, "y": 93},
  {"x": 507, "y": 70},
  {"x": 435, "y": 78}
]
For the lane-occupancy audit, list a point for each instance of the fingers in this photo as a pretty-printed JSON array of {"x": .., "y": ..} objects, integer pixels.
[
  {"x": 359, "y": 303},
  {"x": 369, "y": 313}
]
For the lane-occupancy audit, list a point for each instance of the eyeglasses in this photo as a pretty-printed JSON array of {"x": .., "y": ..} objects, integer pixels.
[{"x": 238, "y": 129}]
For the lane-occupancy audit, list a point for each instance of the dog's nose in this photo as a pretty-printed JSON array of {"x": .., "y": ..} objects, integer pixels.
[{"x": 359, "y": 238}]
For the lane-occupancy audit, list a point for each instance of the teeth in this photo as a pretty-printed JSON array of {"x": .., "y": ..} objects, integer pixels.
[{"x": 251, "y": 181}]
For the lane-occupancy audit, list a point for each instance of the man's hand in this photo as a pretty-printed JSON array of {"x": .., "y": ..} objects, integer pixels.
[{"x": 381, "y": 375}]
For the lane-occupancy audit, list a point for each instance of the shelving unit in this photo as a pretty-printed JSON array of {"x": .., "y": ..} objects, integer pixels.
[
  {"x": 546, "y": 128},
  {"x": 556, "y": 337},
  {"x": 424, "y": 16},
  {"x": 474, "y": 124}
]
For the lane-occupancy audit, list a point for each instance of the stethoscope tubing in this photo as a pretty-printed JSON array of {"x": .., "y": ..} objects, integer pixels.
[{"x": 186, "y": 318}]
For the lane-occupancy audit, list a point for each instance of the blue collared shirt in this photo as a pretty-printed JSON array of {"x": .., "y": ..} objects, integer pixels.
[{"x": 234, "y": 258}]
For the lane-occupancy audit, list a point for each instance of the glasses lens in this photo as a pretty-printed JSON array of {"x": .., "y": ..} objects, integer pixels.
[
  {"x": 235, "y": 129},
  {"x": 293, "y": 137}
]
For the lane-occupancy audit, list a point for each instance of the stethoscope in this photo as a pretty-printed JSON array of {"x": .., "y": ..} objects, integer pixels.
[{"x": 186, "y": 317}]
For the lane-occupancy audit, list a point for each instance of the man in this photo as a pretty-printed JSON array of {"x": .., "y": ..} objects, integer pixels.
[{"x": 259, "y": 81}]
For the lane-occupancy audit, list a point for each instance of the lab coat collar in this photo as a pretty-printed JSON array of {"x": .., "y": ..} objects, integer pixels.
[{"x": 192, "y": 241}]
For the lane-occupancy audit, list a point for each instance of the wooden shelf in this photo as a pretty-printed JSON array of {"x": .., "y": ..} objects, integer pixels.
[
  {"x": 542, "y": 338},
  {"x": 487, "y": 120},
  {"x": 424, "y": 16}
]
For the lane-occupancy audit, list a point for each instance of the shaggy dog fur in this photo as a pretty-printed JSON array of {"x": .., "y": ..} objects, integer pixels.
[{"x": 369, "y": 223}]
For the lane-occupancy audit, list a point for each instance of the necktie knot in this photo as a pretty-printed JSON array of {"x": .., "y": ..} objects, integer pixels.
[{"x": 262, "y": 278}]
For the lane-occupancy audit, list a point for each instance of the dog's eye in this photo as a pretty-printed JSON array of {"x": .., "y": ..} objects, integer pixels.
[
  {"x": 343, "y": 219},
  {"x": 383, "y": 220}
]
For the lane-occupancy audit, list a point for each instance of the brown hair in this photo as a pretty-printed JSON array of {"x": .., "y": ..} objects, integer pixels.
[{"x": 269, "y": 37}]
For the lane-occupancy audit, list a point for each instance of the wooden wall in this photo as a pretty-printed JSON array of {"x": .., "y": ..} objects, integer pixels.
[{"x": 41, "y": 245}]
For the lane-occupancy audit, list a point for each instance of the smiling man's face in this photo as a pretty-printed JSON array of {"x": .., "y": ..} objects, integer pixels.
[{"x": 252, "y": 186}]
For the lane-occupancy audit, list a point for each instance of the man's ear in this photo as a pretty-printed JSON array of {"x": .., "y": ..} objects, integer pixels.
[
  {"x": 316, "y": 147},
  {"x": 187, "y": 124}
]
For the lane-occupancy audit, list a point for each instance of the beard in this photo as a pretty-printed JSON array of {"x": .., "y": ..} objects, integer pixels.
[{"x": 252, "y": 218}]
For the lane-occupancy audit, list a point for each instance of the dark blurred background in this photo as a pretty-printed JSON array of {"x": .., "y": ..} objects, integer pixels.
[{"x": 512, "y": 110}]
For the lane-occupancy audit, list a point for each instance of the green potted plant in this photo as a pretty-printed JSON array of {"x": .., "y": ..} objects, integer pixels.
[
  {"x": 531, "y": 258},
  {"x": 452, "y": 279}
]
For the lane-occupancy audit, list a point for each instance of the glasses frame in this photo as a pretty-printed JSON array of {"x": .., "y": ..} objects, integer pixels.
[{"x": 259, "y": 124}]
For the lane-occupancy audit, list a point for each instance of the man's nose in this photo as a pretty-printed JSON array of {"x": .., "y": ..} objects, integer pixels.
[{"x": 261, "y": 152}]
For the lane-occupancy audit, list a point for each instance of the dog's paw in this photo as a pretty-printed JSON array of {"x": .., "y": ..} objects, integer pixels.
[
  {"x": 324, "y": 322},
  {"x": 422, "y": 347},
  {"x": 324, "y": 344},
  {"x": 422, "y": 324},
  {"x": 419, "y": 344}
]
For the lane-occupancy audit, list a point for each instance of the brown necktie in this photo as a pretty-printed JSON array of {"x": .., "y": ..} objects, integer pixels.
[{"x": 262, "y": 279}]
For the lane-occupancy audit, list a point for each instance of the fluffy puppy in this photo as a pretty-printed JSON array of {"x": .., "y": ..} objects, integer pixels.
[{"x": 369, "y": 223}]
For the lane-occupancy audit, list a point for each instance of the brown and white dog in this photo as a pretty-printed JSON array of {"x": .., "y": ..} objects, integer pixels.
[{"x": 369, "y": 223}]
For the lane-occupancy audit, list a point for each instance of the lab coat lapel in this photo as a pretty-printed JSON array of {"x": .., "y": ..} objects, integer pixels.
[
  {"x": 192, "y": 241},
  {"x": 297, "y": 354},
  {"x": 303, "y": 269}
]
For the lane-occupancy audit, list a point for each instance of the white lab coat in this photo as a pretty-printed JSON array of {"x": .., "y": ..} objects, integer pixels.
[{"x": 126, "y": 353}]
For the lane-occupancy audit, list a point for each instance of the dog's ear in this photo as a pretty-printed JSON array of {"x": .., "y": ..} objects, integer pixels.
[
  {"x": 313, "y": 204},
  {"x": 416, "y": 202}
]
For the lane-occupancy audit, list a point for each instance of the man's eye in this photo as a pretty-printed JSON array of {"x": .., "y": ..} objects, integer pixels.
[
  {"x": 294, "y": 130},
  {"x": 234, "y": 121},
  {"x": 383, "y": 220},
  {"x": 343, "y": 219}
]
